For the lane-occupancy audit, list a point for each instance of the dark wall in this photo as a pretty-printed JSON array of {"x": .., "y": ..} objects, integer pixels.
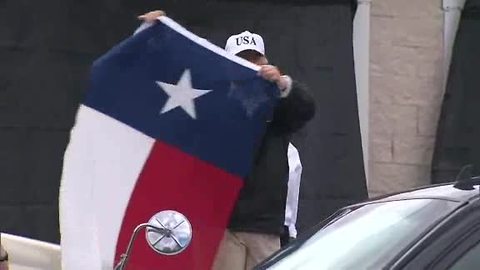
[
  {"x": 458, "y": 130},
  {"x": 46, "y": 48}
]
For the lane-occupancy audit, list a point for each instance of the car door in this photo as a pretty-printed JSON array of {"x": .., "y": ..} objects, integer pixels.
[{"x": 455, "y": 245}]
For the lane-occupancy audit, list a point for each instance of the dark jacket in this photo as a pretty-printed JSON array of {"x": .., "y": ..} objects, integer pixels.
[{"x": 261, "y": 204}]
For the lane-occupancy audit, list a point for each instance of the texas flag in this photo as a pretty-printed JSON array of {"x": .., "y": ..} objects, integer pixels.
[{"x": 170, "y": 122}]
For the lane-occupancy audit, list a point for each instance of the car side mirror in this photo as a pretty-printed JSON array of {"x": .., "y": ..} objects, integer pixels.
[
  {"x": 170, "y": 234},
  {"x": 167, "y": 233}
]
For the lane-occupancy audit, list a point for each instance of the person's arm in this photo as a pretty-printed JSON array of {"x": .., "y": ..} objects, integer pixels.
[
  {"x": 294, "y": 110},
  {"x": 296, "y": 106}
]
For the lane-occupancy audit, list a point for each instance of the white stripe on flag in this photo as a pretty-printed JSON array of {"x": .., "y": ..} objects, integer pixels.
[{"x": 101, "y": 165}]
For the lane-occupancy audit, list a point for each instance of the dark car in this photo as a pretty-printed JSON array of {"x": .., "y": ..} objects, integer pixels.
[{"x": 435, "y": 227}]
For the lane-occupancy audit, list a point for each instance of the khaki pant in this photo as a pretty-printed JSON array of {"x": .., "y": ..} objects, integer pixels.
[{"x": 242, "y": 250}]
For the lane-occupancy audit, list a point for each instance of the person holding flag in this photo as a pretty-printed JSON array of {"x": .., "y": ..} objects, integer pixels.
[
  {"x": 171, "y": 122},
  {"x": 257, "y": 221}
]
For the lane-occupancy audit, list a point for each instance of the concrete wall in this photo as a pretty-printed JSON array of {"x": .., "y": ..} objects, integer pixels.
[{"x": 406, "y": 76}]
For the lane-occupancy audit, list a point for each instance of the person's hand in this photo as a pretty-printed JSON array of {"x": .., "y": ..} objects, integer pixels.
[
  {"x": 151, "y": 16},
  {"x": 271, "y": 73}
]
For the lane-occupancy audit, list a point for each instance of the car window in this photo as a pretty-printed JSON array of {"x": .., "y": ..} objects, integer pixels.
[
  {"x": 368, "y": 237},
  {"x": 470, "y": 260}
]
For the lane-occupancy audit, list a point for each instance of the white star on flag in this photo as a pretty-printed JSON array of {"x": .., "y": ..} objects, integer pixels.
[{"x": 182, "y": 94}]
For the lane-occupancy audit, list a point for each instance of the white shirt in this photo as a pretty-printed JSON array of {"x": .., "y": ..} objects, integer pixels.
[{"x": 294, "y": 177}]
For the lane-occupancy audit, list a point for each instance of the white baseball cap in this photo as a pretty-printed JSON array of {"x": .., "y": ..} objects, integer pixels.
[{"x": 245, "y": 41}]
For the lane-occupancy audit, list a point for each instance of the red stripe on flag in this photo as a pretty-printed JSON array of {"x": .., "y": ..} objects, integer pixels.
[{"x": 174, "y": 180}]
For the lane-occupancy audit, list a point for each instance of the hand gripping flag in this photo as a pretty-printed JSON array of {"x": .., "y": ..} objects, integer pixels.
[{"x": 170, "y": 122}]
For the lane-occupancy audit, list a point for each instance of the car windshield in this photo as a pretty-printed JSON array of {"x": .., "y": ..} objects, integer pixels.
[{"x": 366, "y": 237}]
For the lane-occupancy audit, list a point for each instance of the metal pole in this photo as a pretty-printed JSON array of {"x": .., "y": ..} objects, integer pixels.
[{"x": 124, "y": 257}]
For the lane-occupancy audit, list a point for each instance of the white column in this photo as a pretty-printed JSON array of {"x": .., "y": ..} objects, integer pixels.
[
  {"x": 452, "y": 13},
  {"x": 361, "y": 50}
]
